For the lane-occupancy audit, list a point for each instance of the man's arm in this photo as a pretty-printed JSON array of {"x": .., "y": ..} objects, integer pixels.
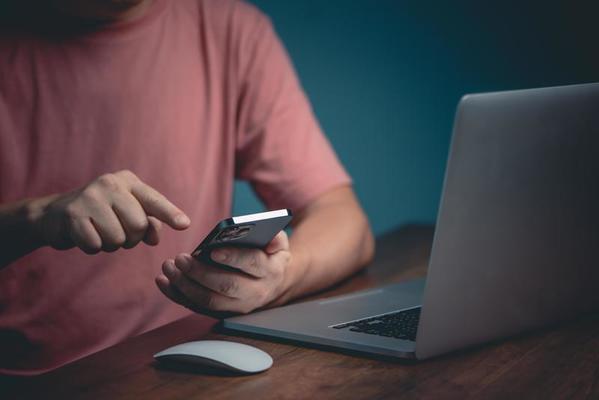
[{"x": 331, "y": 240}]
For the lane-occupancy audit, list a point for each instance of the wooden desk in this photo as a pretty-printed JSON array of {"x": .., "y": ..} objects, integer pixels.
[{"x": 562, "y": 363}]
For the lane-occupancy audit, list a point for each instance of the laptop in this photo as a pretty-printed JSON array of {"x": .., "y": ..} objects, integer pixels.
[{"x": 516, "y": 245}]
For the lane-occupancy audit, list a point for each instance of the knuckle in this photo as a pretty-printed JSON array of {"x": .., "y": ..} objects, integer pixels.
[
  {"x": 120, "y": 240},
  {"x": 109, "y": 182},
  {"x": 127, "y": 174},
  {"x": 115, "y": 241},
  {"x": 90, "y": 193},
  {"x": 71, "y": 211},
  {"x": 252, "y": 261},
  {"x": 228, "y": 287},
  {"x": 139, "y": 225},
  {"x": 154, "y": 201}
]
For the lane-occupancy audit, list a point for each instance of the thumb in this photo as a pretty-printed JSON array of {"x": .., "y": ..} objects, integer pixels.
[{"x": 278, "y": 243}]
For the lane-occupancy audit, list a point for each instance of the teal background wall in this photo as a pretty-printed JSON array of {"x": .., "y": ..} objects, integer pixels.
[{"x": 384, "y": 78}]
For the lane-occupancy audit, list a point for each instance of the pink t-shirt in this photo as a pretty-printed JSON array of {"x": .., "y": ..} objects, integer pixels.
[{"x": 189, "y": 96}]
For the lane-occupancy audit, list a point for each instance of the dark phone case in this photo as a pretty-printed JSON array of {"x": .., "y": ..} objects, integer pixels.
[{"x": 260, "y": 234}]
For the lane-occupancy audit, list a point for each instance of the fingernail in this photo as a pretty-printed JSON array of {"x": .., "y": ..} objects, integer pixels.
[
  {"x": 220, "y": 255},
  {"x": 182, "y": 219}
]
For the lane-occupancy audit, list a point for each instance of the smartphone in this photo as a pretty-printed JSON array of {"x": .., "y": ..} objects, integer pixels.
[{"x": 252, "y": 231}]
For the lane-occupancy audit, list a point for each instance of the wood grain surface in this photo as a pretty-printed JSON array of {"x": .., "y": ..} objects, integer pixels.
[{"x": 557, "y": 363}]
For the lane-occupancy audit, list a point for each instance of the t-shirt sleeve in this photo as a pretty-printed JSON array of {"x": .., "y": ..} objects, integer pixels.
[{"x": 280, "y": 148}]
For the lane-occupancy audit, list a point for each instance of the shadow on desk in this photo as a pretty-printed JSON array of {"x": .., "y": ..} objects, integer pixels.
[{"x": 187, "y": 368}]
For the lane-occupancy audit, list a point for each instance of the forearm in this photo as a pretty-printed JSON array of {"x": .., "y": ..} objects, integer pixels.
[
  {"x": 331, "y": 240},
  {"x": 16, "y": 235}
]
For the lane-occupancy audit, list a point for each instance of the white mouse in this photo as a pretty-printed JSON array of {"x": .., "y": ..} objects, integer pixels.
[{"x": 228, "y": 356}]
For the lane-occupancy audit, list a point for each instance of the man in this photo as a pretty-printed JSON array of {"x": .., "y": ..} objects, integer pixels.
[{"x": 119, "y": 116}]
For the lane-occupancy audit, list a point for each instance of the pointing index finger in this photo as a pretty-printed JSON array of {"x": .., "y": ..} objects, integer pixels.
[{"x": 156, "y": 205}]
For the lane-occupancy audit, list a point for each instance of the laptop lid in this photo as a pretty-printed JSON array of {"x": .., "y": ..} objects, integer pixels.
[{"x": 517, "y": 239}]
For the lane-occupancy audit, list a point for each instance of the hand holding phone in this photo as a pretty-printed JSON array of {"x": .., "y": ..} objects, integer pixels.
[
  {"x": 250, "y": 231},
  {"x": 256, "y": 258}
]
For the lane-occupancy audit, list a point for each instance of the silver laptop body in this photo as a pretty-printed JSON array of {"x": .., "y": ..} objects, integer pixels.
[{"x": 516, "y": 245}]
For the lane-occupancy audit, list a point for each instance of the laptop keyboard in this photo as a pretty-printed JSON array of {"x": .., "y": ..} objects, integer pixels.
[{"x": 398, "y": 324}]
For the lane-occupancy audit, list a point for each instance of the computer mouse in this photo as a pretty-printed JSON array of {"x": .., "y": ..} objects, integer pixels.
[{"x": 218, "y": 354}]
